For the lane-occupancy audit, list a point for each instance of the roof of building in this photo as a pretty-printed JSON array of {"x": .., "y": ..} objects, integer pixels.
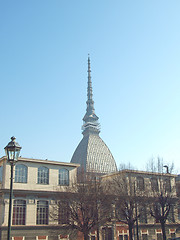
[
  {"x": 139, "y": 173},
  {"x": 43, "y": 161},
  {"x": 92, "y": 153}
]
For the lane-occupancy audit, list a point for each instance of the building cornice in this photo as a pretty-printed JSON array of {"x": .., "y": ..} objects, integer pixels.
[
  {"x": 33, "y": 160},
  {"x": 135, "y": 172},
  {"x": 35, "y": 192}
]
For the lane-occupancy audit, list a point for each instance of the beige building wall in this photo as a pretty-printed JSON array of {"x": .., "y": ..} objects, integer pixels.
[
  {"x": 32, "y": 191},
  {"x": 32, "y": 176},
  {"x": 131, "y": 180}
]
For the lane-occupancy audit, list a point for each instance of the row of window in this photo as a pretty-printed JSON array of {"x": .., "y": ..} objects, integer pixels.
[
  {"x": 144, "y": 236},
  {"x": 59, "y": 237},
  {"x": 143, "y": 214},
  {"x": 43, "y": 178},
  {"x": 21, "y": 172},
  {"x": 42, "y": 213},
  {"x": 154, "y": 184},
  {"x": 159, "y": 236},
  {"x": 107, "y": 234}
]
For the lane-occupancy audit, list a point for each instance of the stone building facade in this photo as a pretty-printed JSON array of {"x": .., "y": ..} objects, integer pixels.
[
  {"x": 37, "y": 186},
  {"x": 146, "y": 186}
]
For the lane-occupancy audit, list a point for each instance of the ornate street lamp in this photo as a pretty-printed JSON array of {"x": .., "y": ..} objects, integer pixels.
[{"x": 12, "y": 152}]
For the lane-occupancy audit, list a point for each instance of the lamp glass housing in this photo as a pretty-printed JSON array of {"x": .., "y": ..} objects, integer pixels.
[
  {"x": 12, "y": 150},
  {"x": 12, "y": 154}
]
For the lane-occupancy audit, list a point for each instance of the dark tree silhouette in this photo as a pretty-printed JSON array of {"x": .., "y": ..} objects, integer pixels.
[
  {"x": 86, "y": 206},
  {"x": 160, "y": 208},
  {"x": 126, "y": 200}
]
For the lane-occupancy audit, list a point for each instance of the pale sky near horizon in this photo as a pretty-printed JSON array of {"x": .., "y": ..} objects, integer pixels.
[{"x": 134, "y": 48}]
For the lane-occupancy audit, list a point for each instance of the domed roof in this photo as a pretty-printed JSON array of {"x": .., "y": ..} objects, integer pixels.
[{"x": 92, "y": 153}]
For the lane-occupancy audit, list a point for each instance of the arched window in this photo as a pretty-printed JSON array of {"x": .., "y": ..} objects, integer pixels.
[
  {"x": 63, "y": 177},
  {"x": 1, "y": 173},
  {"x": 43, "y": 175},
  {"x": 143, "y": 215},
  {"x": 20, "y": 173},
  {"x": 140, "y": 183},
  {"x": 154, "y": 184},
  {"x": 167, "y": 185},
  {"x": 19, "y": 212}
]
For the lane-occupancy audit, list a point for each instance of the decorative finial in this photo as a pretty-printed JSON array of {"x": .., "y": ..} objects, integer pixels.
[{"x": 13, "y": 138}]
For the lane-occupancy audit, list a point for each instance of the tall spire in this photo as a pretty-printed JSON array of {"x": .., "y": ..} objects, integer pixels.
[
  {"x": 90, "y": 119},
  {"x": 92, "y": 153},
  {"x": 90, "y": 102}
]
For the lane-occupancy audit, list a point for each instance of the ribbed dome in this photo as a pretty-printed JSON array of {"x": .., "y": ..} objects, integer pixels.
[{"x": 92, "y": 153}]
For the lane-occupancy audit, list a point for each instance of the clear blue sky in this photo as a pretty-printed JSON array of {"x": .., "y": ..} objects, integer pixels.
[{"x": 135, "y": 60}]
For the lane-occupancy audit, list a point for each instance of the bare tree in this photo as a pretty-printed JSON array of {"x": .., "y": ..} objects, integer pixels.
[
  {"x": 125, "y": 166},
  {"x": 85, "y": 207},
  {"x": 163, "y": 203},
  {"x": 123, "y": 188},
  {"x": 127, "y": 212},
  {"x": 158, "y": 165}
]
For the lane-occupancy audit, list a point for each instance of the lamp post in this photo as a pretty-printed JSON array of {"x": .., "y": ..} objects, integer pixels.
[{"x": 12, "y": 152}]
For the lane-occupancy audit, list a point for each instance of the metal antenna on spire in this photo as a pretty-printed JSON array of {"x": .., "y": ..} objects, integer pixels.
[
  {"x": 90, "y": 119},
  {"x": 89, "y": 90}
]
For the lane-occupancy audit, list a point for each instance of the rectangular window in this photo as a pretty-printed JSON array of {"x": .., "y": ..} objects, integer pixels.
[
  {"x": 126, "y": 237},
  {"x": 19, "y": 212},
  {"x": 154, "y": 184},
  {"x": 20, "y": 173},
  {"x": 143, "y": 215},
  {"x": 42, "y": 212},
  {"x": 173, "y": 235},
  {"x": 167, "y": 185},
  {"x": 159, "y": 236},
  {"x": 140, "y": 183},
  {"x": 144, "y": 234},
  {"x": 43, "y": 175},
  {"x": 123, "y": 237},
  {"x": 63, "y": 177},
  {"x": 106, "y": 233},
  {"x": 144, "y": 237}
]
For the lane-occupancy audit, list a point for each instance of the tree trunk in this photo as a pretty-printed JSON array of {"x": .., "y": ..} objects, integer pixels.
[
  {"x": 86, "y": 236},
  {"x": 163, "y": 230},
  {"x": 130, "y": 232}
]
